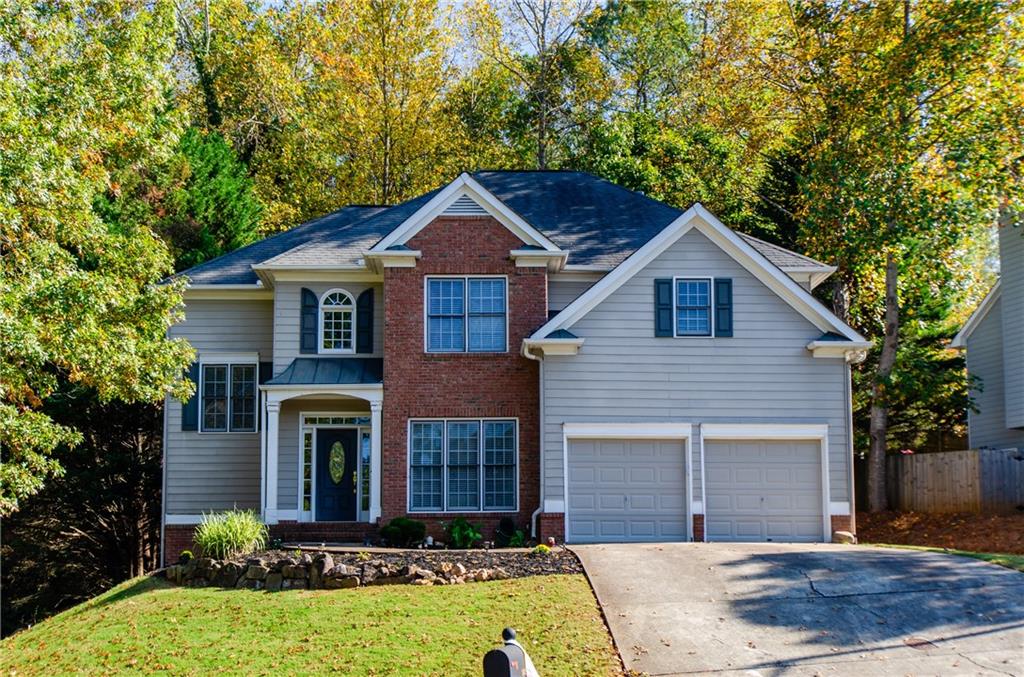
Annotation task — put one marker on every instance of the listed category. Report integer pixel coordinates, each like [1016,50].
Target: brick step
[333,532]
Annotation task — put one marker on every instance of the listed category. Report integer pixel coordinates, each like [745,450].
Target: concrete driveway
[765,609]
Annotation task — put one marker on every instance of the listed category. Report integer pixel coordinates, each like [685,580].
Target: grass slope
[150,627]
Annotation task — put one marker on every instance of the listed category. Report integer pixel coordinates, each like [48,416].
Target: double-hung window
[228,393]
[462,465]
[466,314]
[693,306]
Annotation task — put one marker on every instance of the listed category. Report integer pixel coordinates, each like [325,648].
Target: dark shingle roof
[598,222]
[330,371]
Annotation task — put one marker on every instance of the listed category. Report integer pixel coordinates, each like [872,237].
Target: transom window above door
[337,322]
[466,314]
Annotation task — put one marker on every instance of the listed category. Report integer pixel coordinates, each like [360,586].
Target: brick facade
[551,524]
[844,523]
[698,528]
[423,385]
[176,539]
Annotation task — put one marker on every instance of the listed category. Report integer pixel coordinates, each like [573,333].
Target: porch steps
[323,532]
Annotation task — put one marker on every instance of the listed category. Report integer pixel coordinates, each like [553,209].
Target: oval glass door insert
[337,462]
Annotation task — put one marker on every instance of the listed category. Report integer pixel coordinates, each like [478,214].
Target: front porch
[320,450]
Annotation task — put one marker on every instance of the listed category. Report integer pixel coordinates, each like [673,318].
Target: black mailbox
[510,660]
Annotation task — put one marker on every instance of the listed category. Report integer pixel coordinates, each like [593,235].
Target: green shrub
[518,539]
[462,534]
[541,550]
[226,534]
[403,532]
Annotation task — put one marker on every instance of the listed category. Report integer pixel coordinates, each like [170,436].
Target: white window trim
[310,515]
[228,360]
[675,306]
[775,431]
[444,466]
[320,323]
[426,315]
[629,431]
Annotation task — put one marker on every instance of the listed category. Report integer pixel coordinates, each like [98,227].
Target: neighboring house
[541,345]
[994,340]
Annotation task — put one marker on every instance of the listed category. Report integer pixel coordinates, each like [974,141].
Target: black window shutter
[190,409]
[663,307]
[364,322]
[266,372]
[723,306]
[309,322]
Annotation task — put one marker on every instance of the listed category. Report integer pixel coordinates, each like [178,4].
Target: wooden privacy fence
[985,481]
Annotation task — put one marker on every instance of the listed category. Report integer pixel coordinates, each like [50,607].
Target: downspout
[540,441]
[163,483]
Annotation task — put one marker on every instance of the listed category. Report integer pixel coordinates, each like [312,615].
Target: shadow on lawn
[139,586]
[862,600]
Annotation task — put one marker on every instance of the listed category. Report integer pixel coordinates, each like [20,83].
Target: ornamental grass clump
[226,534]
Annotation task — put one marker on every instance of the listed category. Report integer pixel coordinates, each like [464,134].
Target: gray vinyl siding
[985,359]
[764,374]
[287,315]
[1011,256]
[563,292]
[288,441]
[216,471]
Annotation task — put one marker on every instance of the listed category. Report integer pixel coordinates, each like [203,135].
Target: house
[545,346]
[993,337]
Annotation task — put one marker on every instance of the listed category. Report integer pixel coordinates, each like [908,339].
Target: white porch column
[376,481]
[270,507]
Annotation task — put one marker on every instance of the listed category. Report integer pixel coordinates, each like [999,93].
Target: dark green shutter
[663,308]
[190,409]
[364,322]
[309,322]
[723,306]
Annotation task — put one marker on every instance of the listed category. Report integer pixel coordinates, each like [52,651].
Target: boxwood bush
[226,534]
[402,532]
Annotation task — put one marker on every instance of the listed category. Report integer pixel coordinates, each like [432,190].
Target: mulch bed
[956,531]
[518,564]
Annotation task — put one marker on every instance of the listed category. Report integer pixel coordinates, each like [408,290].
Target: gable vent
[464,206]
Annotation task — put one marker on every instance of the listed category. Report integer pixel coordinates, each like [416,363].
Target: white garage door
[626,490]
[763,490]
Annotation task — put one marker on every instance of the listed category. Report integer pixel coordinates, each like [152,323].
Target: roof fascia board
[976,318]
[773,277]
[228,292]
[744,254]
[322,275]
[437,204]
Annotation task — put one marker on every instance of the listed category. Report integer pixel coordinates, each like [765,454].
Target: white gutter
[540,448]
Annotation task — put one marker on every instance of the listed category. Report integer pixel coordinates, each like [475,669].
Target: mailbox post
[510,660]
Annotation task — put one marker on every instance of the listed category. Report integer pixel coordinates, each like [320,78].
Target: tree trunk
[877,495]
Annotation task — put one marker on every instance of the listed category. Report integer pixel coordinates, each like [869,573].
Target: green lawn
[1002,559]
[147,626]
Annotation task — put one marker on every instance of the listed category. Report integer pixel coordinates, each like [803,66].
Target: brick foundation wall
[843,523]
[698,528]
[322,532]
[551,524]
[176,539]
[423,385]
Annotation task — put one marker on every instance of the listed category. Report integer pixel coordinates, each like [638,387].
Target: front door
[336,457]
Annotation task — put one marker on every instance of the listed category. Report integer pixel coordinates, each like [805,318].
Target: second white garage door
[766,490]
[626,490]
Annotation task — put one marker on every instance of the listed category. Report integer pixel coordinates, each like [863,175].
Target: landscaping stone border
[278,570]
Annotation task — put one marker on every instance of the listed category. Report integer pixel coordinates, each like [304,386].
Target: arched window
[337,322]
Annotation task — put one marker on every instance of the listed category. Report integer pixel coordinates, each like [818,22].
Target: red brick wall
[844,523]
[422,385]
[551,524]
[698,528]
[177,538]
